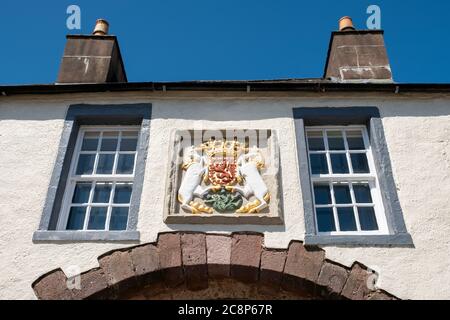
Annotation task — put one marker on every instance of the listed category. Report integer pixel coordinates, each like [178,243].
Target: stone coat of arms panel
[228,176]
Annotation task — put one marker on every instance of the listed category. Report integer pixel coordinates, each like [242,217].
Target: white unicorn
[248,167]
[196,168]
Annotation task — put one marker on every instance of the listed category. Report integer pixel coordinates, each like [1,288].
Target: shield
[222,171]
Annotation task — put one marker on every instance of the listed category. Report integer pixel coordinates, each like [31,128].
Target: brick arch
[192,260]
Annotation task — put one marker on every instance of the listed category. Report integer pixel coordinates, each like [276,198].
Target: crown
[223,148]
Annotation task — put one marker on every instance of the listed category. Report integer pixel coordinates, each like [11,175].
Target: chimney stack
[357,55]
[92,58]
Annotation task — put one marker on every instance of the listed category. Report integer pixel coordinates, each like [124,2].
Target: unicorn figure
[196,169]
[248,168]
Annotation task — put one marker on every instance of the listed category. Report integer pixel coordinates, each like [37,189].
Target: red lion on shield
[222,172]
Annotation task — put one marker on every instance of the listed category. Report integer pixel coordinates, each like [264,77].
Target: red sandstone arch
[198,262]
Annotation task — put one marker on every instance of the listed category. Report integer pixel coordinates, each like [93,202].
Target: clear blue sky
[170,40]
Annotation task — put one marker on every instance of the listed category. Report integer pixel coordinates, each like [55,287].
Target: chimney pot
[101,27]
[345,24]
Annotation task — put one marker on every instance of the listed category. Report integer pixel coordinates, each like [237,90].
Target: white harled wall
[417,129]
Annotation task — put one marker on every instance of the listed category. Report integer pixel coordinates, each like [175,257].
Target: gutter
[320,86]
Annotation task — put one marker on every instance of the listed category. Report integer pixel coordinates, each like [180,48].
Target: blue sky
[171,40]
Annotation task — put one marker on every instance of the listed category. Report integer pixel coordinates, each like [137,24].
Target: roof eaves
[318,85]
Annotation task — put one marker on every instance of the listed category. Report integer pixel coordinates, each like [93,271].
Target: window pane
[322,194]
[359,163]
[109,141]
[81,193]
[362,193]
[125,164]
[97,218]
[339,163]
[119,217]
[325,220]
[122,193]
[76,218]
[315,141]
[105,163]
[318,164]
[367,219]
[355,140]
[102,193]
[128,144]
[346,219]
[85,164]
[90,141]
[342,194]
[335,140]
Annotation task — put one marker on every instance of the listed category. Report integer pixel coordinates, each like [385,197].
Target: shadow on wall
[420,108]
[231,110]
[242,110]
[32,111]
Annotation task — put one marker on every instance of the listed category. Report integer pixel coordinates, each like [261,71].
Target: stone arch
[197,262]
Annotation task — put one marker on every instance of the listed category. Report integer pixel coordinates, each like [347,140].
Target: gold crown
[224,148]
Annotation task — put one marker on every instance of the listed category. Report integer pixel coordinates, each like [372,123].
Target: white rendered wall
[417,130]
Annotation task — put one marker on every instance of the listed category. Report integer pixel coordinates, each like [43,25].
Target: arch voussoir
[192,260]
[245,259]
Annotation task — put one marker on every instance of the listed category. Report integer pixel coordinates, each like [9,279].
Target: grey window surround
[370,117]
[85,236]
[90,114]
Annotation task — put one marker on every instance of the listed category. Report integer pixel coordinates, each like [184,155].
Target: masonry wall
[417,129]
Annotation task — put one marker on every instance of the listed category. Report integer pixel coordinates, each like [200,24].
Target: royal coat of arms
[220,175]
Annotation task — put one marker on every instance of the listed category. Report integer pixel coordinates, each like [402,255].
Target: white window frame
[332,179]
[73,179]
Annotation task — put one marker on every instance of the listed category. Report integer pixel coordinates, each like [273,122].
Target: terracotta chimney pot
[345,24]
[101,27]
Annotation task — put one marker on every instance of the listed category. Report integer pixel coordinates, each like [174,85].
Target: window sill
[85,236]
[390,240]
